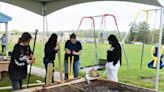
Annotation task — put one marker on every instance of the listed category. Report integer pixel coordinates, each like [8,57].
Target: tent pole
[159,46]
[43,34]
[6,33]
[153,32]
[143,39]
[0,11]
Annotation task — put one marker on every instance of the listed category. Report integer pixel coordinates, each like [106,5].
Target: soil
[84,87]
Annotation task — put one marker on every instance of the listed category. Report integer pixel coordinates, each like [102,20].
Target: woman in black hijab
[113,58]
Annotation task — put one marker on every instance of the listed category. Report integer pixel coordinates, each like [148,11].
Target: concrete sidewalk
[41,72]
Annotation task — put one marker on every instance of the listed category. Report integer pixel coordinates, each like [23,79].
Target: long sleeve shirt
[50,52]
[19,61]
[114,54]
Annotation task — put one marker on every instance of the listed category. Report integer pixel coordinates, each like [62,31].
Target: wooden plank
[3,67]
[60,63]
[69,83]
[49,74]
[30,85]
[34,89]
[129,85]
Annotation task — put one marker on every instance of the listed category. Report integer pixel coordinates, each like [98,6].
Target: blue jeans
[76,68]
[16,84]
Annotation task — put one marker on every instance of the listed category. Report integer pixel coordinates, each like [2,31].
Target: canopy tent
[45,7]
[53,5]
[5,19]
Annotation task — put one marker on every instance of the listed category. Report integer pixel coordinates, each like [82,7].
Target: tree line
[140,32]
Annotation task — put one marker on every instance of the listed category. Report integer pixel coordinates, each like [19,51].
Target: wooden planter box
[4,66]
[96,85]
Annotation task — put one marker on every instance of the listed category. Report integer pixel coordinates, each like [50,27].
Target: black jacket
[50,52]
[114,54]
[18,65]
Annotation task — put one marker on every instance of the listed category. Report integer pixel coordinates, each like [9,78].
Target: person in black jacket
[50,52]
[20,58]
[113,58]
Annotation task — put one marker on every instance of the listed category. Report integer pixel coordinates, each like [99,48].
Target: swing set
[152,64]
[154,54]
[98,64]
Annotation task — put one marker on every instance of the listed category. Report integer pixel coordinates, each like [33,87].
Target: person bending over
[20,58]
[72,48]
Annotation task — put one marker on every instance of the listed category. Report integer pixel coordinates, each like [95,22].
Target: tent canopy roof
[53,5]
[4,18]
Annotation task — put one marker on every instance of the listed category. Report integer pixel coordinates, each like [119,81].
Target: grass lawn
[6,82]
[132,75]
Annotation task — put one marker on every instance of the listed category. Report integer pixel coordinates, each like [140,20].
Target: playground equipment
[159,42]
[95,67]
[99,63]
[93,28]
[103,22]
[136,17]
[146,20]
[154,51]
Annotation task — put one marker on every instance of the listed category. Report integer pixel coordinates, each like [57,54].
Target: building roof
[4,18]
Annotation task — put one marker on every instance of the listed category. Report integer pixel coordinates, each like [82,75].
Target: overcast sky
[69,18]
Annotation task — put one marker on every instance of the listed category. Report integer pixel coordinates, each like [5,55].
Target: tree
[132,32]
[139,32]
[156,36]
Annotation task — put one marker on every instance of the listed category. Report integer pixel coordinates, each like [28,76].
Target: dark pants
[46,61]
[16,84]
[3,47]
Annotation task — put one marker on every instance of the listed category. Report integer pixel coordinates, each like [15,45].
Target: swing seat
[150,64]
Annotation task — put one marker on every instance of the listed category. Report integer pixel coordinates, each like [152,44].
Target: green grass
[132,75]
[6,82]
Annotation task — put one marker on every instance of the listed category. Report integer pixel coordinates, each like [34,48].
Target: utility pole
[0,11]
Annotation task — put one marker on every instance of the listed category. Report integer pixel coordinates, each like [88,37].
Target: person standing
[50,51]
[72,48]
[20,58]
[3,42]
[113,58]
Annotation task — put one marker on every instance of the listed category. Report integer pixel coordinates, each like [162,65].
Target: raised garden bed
[96,85]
